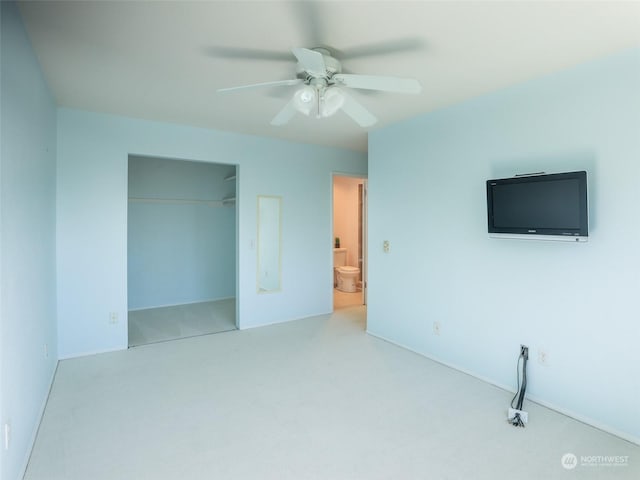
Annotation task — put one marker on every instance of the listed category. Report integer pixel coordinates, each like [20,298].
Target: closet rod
[176,201]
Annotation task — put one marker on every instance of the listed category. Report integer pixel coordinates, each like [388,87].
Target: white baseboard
[533,398]
[181,303]
[34,434]
[586,420]
[242,327]
[92,352]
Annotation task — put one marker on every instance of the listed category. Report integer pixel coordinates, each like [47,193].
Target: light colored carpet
[310,399]
[181,321]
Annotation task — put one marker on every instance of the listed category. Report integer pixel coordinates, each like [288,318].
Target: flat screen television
[539,206]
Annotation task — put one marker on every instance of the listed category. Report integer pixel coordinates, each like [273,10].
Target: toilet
[345,277]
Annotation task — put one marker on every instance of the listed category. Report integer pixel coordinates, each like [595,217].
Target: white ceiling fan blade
[357,112]
[311,61]
[377,82]
[294,81]
[285,114]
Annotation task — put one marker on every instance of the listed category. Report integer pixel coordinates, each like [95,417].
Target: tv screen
[552,205]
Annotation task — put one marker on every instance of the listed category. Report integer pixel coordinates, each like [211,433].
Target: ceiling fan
[323,88]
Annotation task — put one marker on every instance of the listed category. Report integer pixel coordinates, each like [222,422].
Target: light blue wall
[179,252]
[27,242]
[92,219]
[579,302]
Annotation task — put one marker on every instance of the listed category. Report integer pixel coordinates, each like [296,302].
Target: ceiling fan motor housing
[332,66]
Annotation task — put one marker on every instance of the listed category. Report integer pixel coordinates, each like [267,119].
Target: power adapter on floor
[514,413]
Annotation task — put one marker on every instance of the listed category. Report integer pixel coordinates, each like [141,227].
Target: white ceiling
[164,60]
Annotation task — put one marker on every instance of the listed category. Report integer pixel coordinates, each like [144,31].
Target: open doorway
[350,241]
[181,249]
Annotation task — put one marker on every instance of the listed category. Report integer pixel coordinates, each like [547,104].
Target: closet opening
[181,249]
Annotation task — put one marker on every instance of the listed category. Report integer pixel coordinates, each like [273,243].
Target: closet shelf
[230,177]
[180,201]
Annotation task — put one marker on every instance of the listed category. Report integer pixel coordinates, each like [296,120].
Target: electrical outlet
[385,246]
[524,351]
[436,328]
[113,318]
[543,357]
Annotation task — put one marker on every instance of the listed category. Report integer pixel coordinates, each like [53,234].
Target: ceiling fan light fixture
[304,99]
[318,75]
[332,101]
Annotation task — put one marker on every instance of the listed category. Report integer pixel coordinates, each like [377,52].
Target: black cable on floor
[522,363]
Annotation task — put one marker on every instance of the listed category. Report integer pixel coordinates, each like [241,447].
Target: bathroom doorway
[349,241]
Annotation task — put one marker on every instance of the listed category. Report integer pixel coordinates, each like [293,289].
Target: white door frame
[365,237]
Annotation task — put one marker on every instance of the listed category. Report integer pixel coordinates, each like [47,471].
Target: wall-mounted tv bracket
[529,174]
